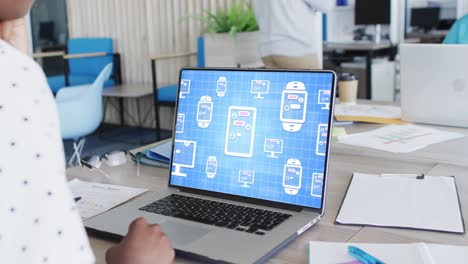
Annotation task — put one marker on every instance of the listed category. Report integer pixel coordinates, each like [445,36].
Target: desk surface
[442,159]
[356,46]
[428,35]
[129,90]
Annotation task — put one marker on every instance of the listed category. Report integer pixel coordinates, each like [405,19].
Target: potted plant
[231,36]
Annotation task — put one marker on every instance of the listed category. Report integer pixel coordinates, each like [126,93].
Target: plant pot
[221,50]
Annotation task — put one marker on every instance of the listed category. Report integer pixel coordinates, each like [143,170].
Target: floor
[113,137]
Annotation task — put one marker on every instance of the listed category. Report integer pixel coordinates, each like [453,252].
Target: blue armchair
[80,111]
[84,69]
[167,95]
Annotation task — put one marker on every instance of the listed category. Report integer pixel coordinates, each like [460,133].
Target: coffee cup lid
[346,76]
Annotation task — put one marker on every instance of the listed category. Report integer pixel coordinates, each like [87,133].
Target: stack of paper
[399,138]
[416,253]
[380,114]
[96,198]
[417,202]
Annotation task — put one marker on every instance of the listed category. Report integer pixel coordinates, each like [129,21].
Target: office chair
[80,111]
[84,60]
[167,95]
[458,33]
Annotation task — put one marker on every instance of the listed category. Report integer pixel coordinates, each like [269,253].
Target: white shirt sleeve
[39,222]
[321,5]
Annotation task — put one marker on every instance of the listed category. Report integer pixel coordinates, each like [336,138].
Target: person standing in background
[288,35]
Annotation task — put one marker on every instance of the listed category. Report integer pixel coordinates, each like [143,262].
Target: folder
[158,155]
[402,201]
[161,152]
[380,114]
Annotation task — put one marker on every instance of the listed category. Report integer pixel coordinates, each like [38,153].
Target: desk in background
[128,91]
[369,50]
[448,158]
[434,36]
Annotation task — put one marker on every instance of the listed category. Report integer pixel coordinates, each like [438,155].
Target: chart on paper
[399,138]
[97,198]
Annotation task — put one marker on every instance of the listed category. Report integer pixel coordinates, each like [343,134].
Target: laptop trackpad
[181,233]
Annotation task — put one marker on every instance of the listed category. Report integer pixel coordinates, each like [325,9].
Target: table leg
[122,120]
[139,124]
[369,57]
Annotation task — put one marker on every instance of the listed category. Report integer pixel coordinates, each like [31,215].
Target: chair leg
[77,150]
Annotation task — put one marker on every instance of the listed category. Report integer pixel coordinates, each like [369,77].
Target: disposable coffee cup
[348,88]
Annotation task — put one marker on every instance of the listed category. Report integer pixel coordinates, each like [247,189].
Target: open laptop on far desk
[249,164]
[434,84]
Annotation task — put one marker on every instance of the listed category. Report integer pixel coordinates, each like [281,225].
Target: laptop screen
[254,133]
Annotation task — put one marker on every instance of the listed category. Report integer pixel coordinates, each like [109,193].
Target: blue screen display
[258,134]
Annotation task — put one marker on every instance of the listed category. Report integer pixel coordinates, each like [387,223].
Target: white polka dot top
[39,222]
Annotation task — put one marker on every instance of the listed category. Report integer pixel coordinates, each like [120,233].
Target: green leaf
[239,17]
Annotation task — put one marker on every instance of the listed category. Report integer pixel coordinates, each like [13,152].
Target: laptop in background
[249,164]
[434,84]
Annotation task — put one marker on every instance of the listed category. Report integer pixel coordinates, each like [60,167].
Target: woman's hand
[15,32]
[144,244]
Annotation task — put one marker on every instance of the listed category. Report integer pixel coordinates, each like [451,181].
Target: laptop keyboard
[240,218]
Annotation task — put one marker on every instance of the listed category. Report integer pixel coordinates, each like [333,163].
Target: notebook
[248,167]
[403,201]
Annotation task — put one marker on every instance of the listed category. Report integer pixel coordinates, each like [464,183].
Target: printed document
[399,138]
[97,198]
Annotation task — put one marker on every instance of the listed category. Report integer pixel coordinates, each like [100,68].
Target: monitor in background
[425,18]
[372,12]
[46,30]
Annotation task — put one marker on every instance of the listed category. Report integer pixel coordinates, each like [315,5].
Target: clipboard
[419,202]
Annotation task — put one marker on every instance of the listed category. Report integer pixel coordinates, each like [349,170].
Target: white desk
[128,91]
[344,161]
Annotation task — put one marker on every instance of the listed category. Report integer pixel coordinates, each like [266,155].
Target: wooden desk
[128,91]
[343,162]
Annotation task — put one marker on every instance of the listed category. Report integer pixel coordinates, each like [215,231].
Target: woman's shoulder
[12,60]
[19,70]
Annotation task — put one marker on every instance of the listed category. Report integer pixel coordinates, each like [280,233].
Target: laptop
[249,164]
[434,84]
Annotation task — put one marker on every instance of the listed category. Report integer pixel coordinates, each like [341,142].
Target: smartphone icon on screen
[180,123]
[292,176]
[317,185]
[322,135]
[211,167]
[240,131]
[221,86]
[204,111]
[293,106]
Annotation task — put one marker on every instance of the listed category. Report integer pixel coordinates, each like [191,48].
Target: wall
[462,8]
[142,29]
